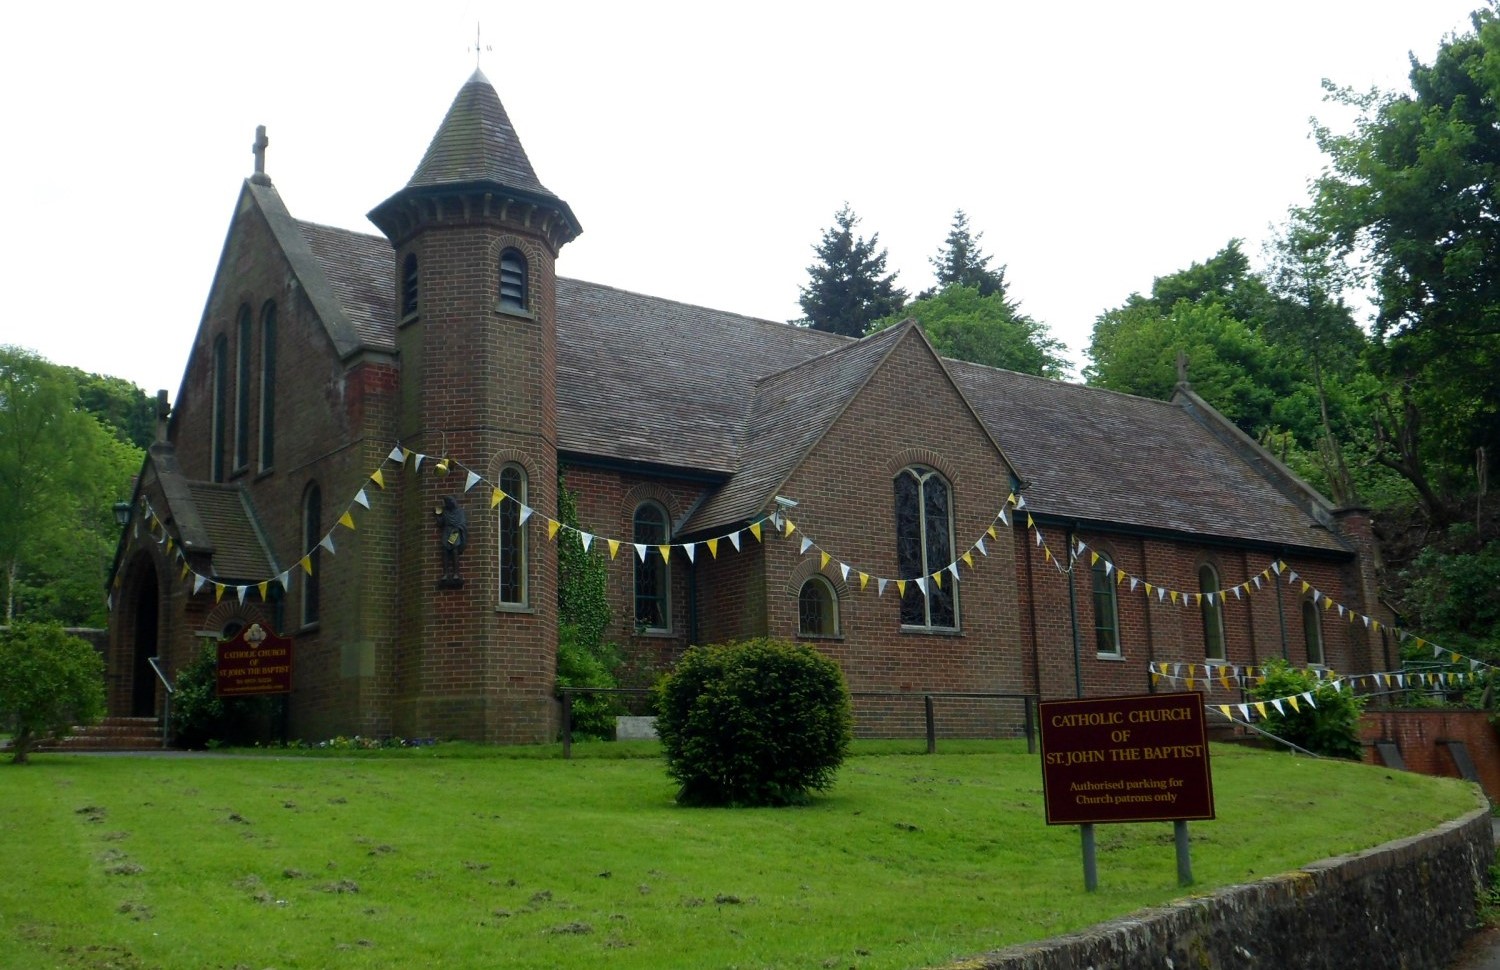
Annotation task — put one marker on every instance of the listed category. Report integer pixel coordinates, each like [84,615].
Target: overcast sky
[704,147]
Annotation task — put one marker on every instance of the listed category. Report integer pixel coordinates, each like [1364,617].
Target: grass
[458,856]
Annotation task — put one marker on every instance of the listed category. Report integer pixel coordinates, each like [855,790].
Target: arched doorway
[143,638]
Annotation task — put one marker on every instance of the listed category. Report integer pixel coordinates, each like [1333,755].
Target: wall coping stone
[1407,903]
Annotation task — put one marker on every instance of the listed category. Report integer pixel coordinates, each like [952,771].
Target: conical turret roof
[477,143]
[475,149]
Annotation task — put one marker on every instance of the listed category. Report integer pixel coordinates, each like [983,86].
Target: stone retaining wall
[1405,905]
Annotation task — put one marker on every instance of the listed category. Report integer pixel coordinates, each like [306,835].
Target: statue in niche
[453,535]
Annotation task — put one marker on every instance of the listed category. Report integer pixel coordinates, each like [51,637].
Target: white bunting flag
[640,550]
[880,587]
[587,540]
[327,543]
[240,591]
[806,544]
[397,455]
[844,571]
[471,481]
[362,499]
[922,585]
[526,511]
[198,582]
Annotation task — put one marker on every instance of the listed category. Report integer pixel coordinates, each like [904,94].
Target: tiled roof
[477,143]
[1097,455]
[642,379]
[359,268]
[226,516]
[645,379]
[791,412]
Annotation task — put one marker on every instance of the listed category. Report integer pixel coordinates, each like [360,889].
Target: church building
[365,453]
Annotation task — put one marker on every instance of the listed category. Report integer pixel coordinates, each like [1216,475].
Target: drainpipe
[1281,616]
[1073,617]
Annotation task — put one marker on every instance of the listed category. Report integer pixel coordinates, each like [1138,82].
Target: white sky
[703,146]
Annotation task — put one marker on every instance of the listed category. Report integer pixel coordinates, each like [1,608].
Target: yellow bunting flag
[755,530]
[1295,706]
[306,564]
[1149,588]
[1174,597]
[713,547]
[992,532]
[614,547]
[1189,683]
[1093,558]
[218,591]
[823,559]
[1046,554]
[495,497]
[1155,677]
[864,580]
[346,520]
[1306,586]
[552,527]
[968,558]
[901,587]
[1260,707]
[938,578]
[666,552]
[264,584]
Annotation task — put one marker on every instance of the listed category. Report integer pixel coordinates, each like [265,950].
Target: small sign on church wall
[254,661]
[1141,758]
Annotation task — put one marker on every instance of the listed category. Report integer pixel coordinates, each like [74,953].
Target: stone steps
[112,734]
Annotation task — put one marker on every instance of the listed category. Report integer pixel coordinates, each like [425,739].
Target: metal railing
[1029,707]
[166,710]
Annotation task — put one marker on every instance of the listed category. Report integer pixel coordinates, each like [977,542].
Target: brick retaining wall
[1406,904]
[1420,735]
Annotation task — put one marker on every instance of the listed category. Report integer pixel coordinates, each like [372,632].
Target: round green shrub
[1329,726]
[758,722]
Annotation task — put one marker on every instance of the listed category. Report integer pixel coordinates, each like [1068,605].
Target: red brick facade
[394,648]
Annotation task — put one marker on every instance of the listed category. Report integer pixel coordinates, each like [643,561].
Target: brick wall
[1419,735]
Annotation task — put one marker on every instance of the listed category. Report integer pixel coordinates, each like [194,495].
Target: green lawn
[463,857]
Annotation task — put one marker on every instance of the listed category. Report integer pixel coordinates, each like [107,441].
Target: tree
[120,406]
[848,287]
[1408,199]
[49,681]
[960,262]
[966,325]
[60,474]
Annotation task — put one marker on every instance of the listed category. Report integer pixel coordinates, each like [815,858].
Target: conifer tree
[961,262]
[848,287]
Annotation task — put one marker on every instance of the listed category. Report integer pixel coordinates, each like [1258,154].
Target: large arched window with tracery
[924,546]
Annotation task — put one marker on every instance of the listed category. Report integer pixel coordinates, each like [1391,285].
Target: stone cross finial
[259,148]
[1182,367]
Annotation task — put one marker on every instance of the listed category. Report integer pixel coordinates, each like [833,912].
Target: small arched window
[409,286]
[653,577]
[512,537]
[267,386]
[817,608]
[312,535]
[1312,631]
[513,295]
[924,545]
[220,425]
[1106,610]
[1213,613]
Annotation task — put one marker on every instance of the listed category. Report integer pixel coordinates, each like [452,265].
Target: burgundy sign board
[255,661]
[1126,759]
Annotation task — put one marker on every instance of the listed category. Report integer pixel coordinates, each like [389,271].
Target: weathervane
[478,47]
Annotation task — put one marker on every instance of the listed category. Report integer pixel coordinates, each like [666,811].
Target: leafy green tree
[848,287]
[61,472]
[962,263]
[1408,198]
[49,682]
[964,324]
[120,406]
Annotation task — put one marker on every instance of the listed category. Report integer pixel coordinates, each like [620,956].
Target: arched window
[312,535]
[512,537]
[924,545]
[242,391]
[653,578]
[1213,613]
[1106,610]
[267,386]
[513,295]
[1312,631]
[220,423]
[409,286]
[817,608]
